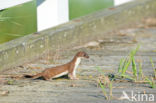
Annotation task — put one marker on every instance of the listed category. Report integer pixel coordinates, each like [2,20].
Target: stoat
[66,69]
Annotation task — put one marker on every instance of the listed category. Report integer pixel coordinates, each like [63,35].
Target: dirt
[105,55]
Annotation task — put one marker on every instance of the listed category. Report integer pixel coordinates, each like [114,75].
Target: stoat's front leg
[72,77]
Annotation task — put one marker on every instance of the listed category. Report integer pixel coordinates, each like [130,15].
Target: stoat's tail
[33,76]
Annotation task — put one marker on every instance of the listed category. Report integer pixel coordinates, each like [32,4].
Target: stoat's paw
[75,78]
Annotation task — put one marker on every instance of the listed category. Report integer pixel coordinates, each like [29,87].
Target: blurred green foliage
[79,8]
[18,21]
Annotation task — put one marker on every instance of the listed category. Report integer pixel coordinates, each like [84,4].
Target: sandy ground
[105,55]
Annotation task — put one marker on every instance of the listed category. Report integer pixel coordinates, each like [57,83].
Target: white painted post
[63,11]
[51,13]
[119,2]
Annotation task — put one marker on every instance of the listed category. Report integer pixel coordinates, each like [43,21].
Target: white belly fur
[61,74]
[76,65]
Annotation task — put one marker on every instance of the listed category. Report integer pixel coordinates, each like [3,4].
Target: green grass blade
[152,63]
[125,61]
[151,82]
[134,51]
[103,90]
[154,68]
[128,77]
[99,70]
[140,71]
[111,89]
[120,65]
[126,65]
[134,67]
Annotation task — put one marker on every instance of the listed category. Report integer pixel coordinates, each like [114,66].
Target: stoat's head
[82,54]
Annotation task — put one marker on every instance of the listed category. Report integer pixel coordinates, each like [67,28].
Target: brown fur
[69,67]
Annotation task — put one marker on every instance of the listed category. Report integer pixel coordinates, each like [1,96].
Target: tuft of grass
[125,63]
[103,85]
[122,70]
